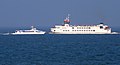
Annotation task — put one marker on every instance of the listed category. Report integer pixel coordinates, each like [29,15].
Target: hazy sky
[24,13]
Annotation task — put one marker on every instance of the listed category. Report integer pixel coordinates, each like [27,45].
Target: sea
[60,49]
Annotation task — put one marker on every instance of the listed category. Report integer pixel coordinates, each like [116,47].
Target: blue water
[52,49]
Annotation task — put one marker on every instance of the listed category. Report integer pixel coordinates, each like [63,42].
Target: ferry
[66,28]
[33,30]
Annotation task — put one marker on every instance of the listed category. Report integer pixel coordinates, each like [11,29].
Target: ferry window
[93,30]
[54,30]
[101,27]
[89,28]
[72,27]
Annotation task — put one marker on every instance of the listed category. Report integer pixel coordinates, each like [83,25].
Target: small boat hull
[28,33]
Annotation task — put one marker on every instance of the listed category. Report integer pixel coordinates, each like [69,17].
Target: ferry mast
[67,20]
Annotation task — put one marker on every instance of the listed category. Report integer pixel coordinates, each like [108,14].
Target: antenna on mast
[68,16]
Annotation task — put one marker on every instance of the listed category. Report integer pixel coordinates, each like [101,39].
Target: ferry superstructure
[80,29]
[33,30]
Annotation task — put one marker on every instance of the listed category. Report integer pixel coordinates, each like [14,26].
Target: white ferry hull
[75,33]
[67,29]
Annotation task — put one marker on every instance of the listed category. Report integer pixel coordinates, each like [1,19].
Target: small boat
[33,30]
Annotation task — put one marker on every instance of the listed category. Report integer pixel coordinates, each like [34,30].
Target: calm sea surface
[52,49]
